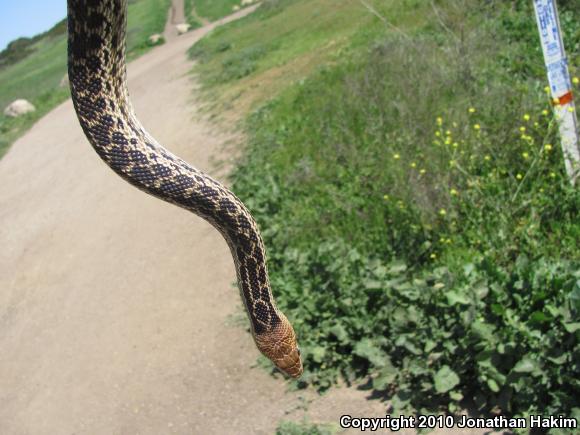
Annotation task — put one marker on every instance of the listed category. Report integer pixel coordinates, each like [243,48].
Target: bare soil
[116,308]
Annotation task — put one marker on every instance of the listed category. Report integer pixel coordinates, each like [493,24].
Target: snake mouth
[291,364]
[296,371]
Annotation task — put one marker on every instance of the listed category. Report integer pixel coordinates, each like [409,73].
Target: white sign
[560,84]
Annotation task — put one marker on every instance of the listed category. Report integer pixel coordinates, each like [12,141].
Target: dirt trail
[175,16]
[115,307]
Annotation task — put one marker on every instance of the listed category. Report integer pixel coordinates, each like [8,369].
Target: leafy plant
[420,227]
[303,428]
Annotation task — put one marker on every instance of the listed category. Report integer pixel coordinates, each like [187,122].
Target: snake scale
[97,75]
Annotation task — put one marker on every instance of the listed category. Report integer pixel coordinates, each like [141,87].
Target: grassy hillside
[248,61]
[405,169]
[36,75]
[197,11]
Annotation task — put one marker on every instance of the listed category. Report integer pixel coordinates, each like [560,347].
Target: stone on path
[182,28]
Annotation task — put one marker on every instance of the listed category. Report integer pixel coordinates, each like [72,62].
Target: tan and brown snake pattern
[97,73]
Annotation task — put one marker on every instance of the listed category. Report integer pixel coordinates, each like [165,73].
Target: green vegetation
[304,428]
[241,67]
[22,47]
[211,10]
[144,18]
[33,68]
[411,191]
[194,20]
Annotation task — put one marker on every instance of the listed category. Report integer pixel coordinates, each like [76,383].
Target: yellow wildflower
[525,155]
[545,112]
[396,156]
[487,158]
[455,144]
[536,124]
[571,109]
[548,147]
[472,110]
[477,126]
[448,132]
[519,176]
[522,129]
[437,133]
[454,192]
[442,212]
[422,171]
[553,174]
[526,117]
[547,89]
[433,256]
[413,165]
[386,197]
[575,80]
[439,120]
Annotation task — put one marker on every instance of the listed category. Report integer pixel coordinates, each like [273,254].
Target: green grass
[197,12]
[241,67]
[36,73]
[145,17]
[214,10]
[305,428]
[427,247]
[36,77]
[194,20]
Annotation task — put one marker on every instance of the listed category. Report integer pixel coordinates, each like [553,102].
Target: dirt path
[175,16]
[115,307]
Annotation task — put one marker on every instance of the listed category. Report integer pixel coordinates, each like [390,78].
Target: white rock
[155,38]
[19,107]
[182,28]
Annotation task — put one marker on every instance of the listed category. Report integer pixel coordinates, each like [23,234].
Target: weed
[304,428]
[420,226]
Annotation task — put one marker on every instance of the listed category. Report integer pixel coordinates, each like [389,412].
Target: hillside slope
[403,160]
[33,69]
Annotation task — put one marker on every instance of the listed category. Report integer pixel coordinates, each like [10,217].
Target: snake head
[280,346]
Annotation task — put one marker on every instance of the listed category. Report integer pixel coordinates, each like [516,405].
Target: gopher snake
[97,73]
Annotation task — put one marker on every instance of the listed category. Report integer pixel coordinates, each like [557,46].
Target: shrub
[420,226]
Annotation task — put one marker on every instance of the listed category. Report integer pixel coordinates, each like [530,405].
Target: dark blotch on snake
[119,138]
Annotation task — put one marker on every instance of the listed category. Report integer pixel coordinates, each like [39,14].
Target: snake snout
[291,364]
[280,346]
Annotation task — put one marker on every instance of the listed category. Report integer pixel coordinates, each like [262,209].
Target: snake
[98,83]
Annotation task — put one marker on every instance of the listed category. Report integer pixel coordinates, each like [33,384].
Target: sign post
[560,84]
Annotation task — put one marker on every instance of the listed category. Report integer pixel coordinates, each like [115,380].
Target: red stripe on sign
[564,99]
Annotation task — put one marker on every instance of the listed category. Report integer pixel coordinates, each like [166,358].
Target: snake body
[97,75]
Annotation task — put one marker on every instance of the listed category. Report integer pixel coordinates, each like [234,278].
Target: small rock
[155,38]
[247,2]
[182,28]
[19,107]
[64,81]
[236,8]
